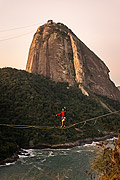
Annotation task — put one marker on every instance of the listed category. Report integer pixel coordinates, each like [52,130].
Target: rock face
[119,88]
[57,53]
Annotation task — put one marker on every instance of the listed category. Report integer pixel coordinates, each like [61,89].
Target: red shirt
[63,113]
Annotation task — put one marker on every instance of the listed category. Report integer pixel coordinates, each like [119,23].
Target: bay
[51,164]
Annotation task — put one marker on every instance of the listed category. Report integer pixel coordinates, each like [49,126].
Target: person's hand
[56,114]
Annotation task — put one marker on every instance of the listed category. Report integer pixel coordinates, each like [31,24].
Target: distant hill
[29,99]
[56,52]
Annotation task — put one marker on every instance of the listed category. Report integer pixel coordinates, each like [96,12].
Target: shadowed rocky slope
[57,53]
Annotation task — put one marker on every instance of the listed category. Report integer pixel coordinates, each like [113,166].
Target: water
[51,164]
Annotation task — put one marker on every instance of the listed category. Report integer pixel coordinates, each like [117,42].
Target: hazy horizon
[96,23]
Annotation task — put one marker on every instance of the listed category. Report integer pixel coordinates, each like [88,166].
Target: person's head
[62,109]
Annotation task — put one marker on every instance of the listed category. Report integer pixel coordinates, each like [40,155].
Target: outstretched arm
[58,114]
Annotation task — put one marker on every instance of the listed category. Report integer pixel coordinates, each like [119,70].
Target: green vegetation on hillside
[29,99]
[107,161]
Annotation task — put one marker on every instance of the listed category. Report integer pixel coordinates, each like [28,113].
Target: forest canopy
[30,99]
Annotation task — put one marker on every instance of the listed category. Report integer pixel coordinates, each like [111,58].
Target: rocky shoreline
[81,142]
[76,143]
[14,157]
[11,159]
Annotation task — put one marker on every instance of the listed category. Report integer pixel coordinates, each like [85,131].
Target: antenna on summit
[50,22]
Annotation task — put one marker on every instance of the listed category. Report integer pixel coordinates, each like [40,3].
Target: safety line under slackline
[55,127]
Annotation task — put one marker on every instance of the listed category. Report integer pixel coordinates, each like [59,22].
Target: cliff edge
[57,53]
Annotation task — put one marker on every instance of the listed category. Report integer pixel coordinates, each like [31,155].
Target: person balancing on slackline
[63,112]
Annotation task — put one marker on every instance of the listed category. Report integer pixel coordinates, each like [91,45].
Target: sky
[95,22]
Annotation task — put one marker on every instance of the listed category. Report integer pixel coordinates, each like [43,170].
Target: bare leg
[62,123]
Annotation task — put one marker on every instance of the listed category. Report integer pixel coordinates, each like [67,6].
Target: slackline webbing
[57,127]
